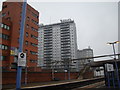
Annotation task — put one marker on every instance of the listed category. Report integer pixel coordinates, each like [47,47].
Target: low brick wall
[10,77]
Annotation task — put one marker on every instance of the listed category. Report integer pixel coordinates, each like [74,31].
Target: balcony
[47,43]
[48,34]
[48,57]
[47,28]
[65,46]
[47,48]
[66,40]
[65,56]
[64,25]
[50,53]
[66,52]
[47,40]
[47,51]
[65,43]
[65,29]
[65,35]
[62,38]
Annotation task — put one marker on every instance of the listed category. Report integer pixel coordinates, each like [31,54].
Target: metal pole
[117,74]
[108,80]
[113,79]
[19,68]
[52,72]
[69,70]
[26,75]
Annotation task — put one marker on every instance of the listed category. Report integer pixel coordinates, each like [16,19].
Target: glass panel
[5,26]
[8,28]
[3,47]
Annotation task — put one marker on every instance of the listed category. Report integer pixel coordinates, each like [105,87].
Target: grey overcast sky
[96,22]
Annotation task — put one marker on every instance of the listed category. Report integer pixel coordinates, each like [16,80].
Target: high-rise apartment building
[57,42]
[11,18]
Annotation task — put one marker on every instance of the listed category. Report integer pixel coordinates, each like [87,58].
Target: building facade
[57,42]
[85,53]
[30,33]
[119,28]
[5,30]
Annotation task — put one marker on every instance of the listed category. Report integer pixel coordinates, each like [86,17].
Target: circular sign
[22,55]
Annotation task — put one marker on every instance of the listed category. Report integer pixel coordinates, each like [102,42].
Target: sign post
[110,74]
[109,67]
[21,40]
[22,59]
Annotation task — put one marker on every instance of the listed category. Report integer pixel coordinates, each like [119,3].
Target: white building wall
[56,43]
[40,47]
[73,43]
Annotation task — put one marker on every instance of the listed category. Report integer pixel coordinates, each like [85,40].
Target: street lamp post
[21,40]
[117,74]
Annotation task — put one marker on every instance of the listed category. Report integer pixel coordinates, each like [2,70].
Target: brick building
[11,12]
[5,31]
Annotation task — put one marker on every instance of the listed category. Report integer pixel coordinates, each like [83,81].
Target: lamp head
[117,42]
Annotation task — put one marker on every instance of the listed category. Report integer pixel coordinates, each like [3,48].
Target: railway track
[72,85]
[94,85]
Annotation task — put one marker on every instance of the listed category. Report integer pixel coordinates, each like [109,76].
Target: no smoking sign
[22,59]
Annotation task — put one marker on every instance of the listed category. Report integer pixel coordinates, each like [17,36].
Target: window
[0,46]
[34,36]
[6,47]
[15,58]
[35,15]
[26,42]
[3,14]
[4,7]
[33,44]
[8,28]
[0,35]
[27,26]
[8,18]
[2,58]
[34,29]
[34,53]
[3,47]
[26,51]
[33,21]
[26,34]
[33,61]
[28,10]
[3,36]
[28,18]
[4,26]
